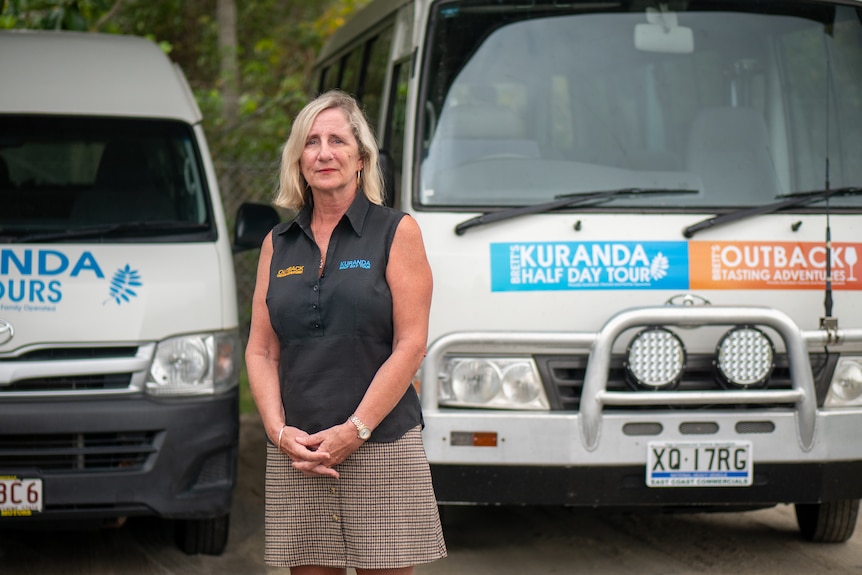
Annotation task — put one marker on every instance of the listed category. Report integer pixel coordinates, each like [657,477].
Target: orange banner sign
[772,265]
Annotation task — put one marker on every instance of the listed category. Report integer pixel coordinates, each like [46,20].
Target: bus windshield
[523,104]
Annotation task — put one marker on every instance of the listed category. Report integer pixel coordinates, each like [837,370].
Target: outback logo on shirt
[291,271]
[352,264]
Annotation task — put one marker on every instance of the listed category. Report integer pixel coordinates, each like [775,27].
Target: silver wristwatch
[363,432]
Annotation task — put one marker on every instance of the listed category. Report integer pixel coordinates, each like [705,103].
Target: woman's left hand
[339,441]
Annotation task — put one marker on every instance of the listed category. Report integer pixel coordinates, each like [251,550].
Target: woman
[339,328]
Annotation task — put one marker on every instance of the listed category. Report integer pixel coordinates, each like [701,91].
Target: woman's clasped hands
[319,453]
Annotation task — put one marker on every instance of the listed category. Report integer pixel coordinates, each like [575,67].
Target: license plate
[699,464]
[20,497]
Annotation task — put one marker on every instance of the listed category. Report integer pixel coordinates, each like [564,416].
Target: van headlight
[845,390]
[200,364]
[502,383]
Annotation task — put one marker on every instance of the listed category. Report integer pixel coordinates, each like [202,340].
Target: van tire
[827,522]
[202,536]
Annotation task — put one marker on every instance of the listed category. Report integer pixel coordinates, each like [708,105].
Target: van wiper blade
[109,230]
[564,201]
[789,201]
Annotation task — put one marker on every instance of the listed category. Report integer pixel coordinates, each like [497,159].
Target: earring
[358,178]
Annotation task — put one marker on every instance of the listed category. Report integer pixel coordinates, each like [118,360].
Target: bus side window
[329,79]
[351,66]
[321,79]
[393,136]
[374,78]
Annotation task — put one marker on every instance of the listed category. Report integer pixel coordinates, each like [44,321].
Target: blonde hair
[293,191]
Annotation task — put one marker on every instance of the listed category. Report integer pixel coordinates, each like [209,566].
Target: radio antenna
[828,322]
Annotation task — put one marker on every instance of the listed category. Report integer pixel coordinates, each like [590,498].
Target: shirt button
[335,517]
[316,324]
[315,288]
[314,306]
[333,490]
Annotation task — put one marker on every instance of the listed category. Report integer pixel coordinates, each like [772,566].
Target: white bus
[644,221]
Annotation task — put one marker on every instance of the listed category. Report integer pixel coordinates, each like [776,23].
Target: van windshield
[71,177]
[741,101]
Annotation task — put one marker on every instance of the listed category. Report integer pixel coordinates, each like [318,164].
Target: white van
[645,228]
[119,349]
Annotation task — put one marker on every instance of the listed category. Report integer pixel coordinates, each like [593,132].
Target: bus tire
[202,536]
[827,522]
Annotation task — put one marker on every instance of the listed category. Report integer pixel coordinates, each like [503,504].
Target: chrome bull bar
[595,396]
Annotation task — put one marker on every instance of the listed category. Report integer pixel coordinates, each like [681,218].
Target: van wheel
[202,536]
[828,522]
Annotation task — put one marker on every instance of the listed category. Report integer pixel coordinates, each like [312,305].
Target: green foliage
[278,42]
[53,14]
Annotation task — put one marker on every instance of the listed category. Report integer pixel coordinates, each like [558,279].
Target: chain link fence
[245,182]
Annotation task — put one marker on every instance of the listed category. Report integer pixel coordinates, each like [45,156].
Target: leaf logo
[123,285]
[658,267]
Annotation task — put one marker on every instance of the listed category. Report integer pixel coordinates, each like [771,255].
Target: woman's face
[330,159]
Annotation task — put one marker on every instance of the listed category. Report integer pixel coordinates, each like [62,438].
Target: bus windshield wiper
[564,201]
[787,201]
[108,230]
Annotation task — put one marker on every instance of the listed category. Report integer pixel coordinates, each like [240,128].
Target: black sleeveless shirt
[335,330]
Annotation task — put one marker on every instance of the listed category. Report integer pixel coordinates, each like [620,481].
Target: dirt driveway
[482,541]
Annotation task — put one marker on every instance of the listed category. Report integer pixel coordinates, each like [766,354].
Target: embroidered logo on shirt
[349,264]
[291,271]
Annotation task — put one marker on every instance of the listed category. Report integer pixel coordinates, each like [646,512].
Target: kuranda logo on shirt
[353,264]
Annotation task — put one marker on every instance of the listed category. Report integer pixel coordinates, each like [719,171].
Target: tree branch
[106,16]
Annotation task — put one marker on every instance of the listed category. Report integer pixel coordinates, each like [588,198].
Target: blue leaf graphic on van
[123,284]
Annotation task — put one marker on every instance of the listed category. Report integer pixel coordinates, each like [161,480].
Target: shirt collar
[355,214]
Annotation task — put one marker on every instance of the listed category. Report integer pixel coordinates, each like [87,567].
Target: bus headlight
[503,383]
[201,364]
[846,387]
[475,381]
[744,358]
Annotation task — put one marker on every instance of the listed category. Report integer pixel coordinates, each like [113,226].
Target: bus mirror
[662,33]
[253,222]
[387,170]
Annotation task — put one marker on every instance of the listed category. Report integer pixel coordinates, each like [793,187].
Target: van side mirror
[387,169]
[253,222]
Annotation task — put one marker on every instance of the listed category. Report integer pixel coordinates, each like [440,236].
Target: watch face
[364,433]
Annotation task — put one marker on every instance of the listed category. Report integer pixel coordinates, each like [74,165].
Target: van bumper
[541,458]
[625,486]
[121,457]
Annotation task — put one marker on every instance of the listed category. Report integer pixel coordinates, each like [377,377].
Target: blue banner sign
[544,266]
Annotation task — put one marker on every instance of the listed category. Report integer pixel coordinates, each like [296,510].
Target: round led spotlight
[655,359]
[745,358]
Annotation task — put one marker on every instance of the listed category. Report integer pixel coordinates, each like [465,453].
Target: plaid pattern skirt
[380,514]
